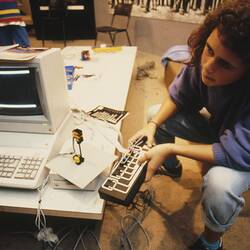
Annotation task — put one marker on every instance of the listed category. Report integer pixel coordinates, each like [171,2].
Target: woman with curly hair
[217,78]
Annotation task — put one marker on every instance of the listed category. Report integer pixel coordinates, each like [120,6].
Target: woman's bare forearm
[200,152]
[167,109]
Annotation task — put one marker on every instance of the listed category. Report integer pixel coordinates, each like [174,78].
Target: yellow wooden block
[107,49]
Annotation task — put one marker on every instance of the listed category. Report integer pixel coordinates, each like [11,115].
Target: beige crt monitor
[33,94]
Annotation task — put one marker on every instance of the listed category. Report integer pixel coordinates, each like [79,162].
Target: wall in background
[149,35]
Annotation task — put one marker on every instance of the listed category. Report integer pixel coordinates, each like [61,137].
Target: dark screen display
[18,91]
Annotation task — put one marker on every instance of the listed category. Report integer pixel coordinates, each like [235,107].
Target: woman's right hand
[155,157]
[149,131]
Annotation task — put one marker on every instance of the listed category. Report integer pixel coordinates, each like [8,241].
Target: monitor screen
[19,94]
[33,94]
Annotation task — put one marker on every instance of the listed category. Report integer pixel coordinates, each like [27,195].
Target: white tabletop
[109,87]
[110,84]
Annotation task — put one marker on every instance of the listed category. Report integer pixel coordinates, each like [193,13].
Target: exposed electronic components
[126,176]
[107,114]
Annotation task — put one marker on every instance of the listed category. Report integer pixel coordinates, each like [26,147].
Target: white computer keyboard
[22,171]
[24,156]
[19,167]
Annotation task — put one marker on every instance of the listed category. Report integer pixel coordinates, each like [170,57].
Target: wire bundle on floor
[136,213]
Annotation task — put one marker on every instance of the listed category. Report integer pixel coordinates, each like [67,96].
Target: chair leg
[42,33]
[111,38]
[114,37]
[129,42]
[64,33]
[96,38]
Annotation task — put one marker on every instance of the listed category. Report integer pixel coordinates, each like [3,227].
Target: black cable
[130,229]
[95,238]
[136,212]
[80,237]
[63,238]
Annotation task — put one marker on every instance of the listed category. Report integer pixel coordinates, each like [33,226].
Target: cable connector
[47,235]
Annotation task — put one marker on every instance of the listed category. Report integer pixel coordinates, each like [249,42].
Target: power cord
[45,234]
[129,229]
[95,238]
[136,213]
[80,238]
[83,234]
[59,242]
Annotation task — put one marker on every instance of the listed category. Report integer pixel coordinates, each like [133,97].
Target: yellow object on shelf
[107,49]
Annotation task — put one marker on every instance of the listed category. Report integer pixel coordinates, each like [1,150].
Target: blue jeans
[222,188]
[189,126]
[13,34]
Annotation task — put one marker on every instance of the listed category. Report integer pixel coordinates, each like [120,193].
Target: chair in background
[122,10]
[57,13]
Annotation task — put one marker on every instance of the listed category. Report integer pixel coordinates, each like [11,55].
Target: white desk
[109,88]
[110,85]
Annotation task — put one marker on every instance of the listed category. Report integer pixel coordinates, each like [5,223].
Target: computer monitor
[33,94]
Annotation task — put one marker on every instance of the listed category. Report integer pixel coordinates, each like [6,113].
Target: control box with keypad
[126,177]
[112,116]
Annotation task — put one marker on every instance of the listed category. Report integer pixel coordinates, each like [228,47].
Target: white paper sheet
[95,161]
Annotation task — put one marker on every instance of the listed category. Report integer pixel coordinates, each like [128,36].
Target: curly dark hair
[232,19]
